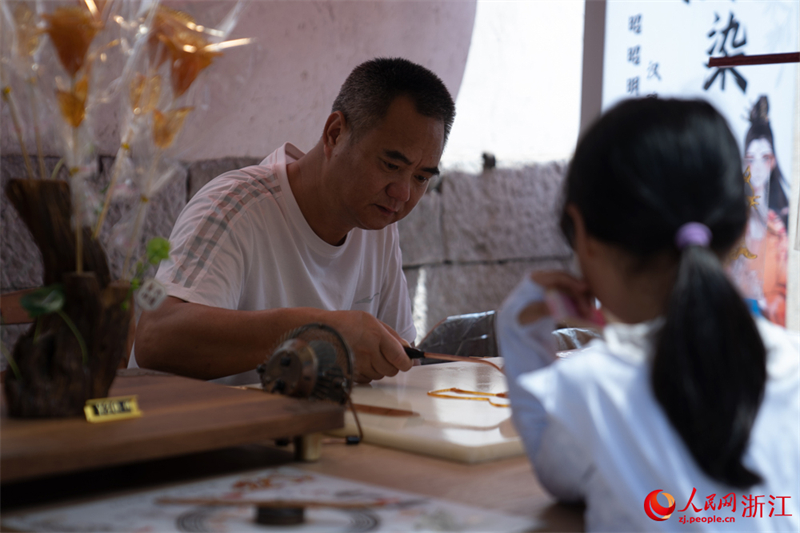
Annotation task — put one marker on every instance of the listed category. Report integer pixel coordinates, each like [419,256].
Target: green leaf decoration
[77,333]
[157,250]
[43,301]
[48,300]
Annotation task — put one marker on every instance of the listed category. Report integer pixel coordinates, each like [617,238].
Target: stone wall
[465,246]
[471,239]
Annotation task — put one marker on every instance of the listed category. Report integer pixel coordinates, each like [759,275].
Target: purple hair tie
[692,234]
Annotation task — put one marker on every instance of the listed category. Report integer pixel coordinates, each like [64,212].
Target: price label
[108,409]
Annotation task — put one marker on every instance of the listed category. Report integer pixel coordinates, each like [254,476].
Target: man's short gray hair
[370,89]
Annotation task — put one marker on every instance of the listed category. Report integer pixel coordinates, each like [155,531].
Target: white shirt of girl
[595,432]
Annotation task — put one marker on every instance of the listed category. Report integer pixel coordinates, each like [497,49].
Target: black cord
[352,439]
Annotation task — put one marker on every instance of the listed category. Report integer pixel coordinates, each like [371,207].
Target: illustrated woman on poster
[760,269]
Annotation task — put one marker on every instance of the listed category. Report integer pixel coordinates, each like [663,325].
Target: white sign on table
[468,431]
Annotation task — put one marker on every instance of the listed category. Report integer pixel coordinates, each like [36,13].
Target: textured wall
[278,89]
[470,239]
[20,260]
[467,244]
[281,87]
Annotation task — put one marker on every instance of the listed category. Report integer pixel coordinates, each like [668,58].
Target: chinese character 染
[720,47]
[752,506]
[772,504]
[652,71]
[633,55]
[729,500]
[696,508]
[633,85]
[635,23]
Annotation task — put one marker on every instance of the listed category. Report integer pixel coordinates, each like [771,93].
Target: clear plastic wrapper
[160,92]
[66,65]
[473,335]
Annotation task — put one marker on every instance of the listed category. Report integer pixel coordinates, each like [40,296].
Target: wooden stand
[308,448]
[54,379]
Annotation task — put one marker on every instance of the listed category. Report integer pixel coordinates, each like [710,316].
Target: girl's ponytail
[642,177]
[710,367]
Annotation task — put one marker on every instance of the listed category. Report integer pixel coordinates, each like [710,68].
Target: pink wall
[281,87]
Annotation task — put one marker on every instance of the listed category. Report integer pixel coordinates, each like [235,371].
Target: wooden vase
[54,381]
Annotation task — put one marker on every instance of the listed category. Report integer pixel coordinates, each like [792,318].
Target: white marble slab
[460,430]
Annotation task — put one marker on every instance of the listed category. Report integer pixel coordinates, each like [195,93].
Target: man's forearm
[207,342]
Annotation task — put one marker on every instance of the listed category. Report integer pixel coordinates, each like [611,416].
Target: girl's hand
[578,309]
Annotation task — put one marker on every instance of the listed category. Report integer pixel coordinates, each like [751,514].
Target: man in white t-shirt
[305,238]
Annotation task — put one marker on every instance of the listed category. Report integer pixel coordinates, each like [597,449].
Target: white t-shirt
[594,431]
[242,243]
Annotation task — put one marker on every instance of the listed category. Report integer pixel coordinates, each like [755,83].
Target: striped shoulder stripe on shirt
[204,241]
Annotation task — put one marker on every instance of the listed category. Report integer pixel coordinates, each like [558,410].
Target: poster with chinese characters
[662,49]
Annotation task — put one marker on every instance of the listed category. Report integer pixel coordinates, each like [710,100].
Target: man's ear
[334,133]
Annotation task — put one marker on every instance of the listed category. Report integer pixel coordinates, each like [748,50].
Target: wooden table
[208,417]
[181,416]
[507,485]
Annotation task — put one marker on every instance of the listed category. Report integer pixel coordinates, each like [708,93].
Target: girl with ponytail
[687,392]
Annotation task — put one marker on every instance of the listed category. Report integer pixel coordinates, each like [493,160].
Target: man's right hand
[205,342]
[377,348]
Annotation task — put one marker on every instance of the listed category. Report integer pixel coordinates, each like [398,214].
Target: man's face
[379,178]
